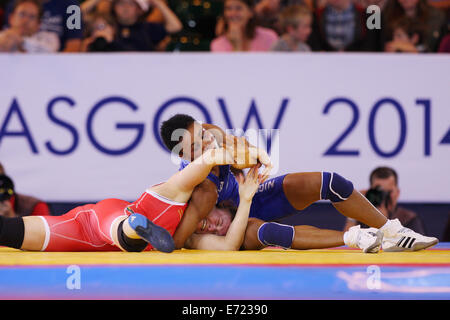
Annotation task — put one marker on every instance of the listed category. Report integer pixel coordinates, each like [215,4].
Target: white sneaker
[368,240]
[398,238]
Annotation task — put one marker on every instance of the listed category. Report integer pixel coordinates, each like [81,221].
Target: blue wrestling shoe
[157,236]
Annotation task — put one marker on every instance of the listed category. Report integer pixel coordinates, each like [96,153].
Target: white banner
[85,127]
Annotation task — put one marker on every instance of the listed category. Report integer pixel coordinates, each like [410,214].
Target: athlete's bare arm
[180,186]
[202,201]
[234,238]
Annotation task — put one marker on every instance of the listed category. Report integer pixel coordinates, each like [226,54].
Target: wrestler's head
[186,137]
[218,221]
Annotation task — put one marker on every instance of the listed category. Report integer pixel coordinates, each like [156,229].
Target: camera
[378,196]
[6,187]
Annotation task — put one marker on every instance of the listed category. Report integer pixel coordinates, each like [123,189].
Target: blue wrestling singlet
[269,203]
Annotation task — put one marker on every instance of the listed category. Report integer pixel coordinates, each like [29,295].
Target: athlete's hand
[249,185]
[218,157]
[264,159]
[257,156]
[246,156]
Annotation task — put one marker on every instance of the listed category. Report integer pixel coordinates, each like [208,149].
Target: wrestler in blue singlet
[269,203]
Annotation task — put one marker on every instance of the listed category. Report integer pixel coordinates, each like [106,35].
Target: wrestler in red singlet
[88,227]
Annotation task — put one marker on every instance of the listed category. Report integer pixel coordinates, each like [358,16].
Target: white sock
[346,235]
[349,238]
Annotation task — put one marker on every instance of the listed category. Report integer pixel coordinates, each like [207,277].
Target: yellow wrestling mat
[272,273]
[269,256]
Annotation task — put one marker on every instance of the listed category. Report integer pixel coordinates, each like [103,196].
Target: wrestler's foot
[398,238]
[368,240]
[157,236]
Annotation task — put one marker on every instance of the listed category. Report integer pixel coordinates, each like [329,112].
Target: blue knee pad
[276,234]
[335,187]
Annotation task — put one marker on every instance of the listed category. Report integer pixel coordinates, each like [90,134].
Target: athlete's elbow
[181,239]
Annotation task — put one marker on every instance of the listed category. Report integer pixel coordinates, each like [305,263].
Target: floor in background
[270,274]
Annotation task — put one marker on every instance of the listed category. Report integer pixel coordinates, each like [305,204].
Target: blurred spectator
[104,7]
[296,22]
[267,12]
[101,32]
[134,33]
[155,15]
[339,26]
[95,7]
[365,3]
[383,194]
[23,35]
[200,21]
[13,204]
[445,44]
[406,37]
[431,20]
[54,19]
[239,32]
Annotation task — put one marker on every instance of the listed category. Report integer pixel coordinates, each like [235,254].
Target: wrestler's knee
[335,187]
[251,241]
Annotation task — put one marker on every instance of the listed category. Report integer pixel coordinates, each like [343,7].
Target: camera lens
[6,187]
